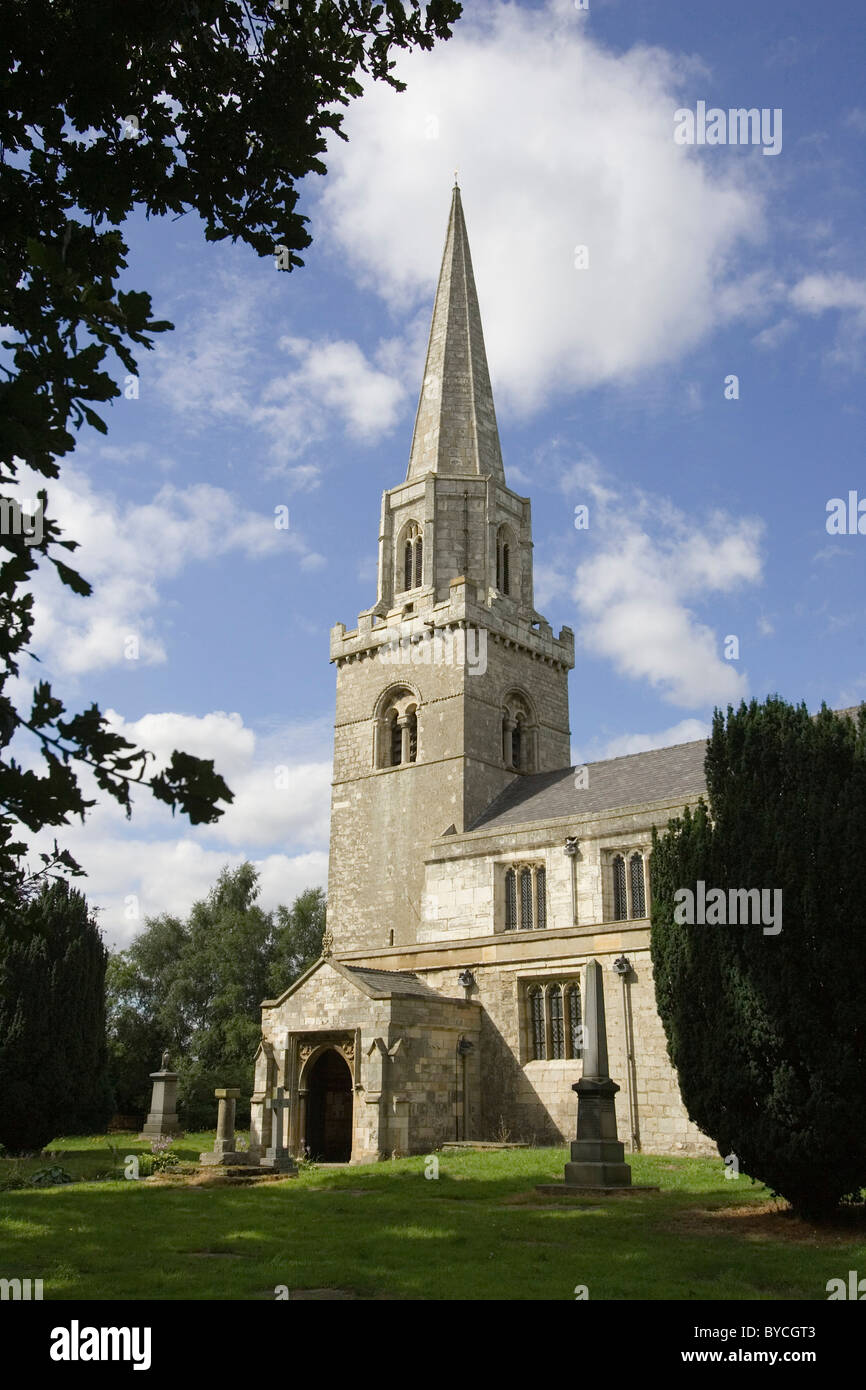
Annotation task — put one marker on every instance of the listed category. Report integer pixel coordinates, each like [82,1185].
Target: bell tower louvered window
[413,557]
[503,561]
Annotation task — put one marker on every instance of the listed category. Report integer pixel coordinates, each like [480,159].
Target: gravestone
[597,1155]
[162,1118]
[225,1153]
[277,1158]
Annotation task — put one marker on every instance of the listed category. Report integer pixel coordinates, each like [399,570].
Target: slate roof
[628,781]
[389,982]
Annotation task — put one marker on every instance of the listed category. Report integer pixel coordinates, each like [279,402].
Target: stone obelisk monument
[597,1156]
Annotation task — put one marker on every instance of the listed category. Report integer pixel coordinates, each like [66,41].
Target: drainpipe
[622,966]
[464,1047]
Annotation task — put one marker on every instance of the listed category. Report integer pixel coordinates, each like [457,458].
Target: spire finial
[455,427]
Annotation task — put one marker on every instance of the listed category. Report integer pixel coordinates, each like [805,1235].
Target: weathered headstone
[277,1157]
[597,1156]
[162,1118]
[225,1153]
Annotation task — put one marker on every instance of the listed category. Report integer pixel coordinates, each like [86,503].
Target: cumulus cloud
[156,863]
[218,368]
[818,293]
[126,551]
[686,731]
[559,143]
[331,380]
[650,566]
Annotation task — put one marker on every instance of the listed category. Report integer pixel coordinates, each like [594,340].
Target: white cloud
[156,863]
[332,379]
[650,564]
[127,551]
[558,142]
[214,367]
[686,731]
[818,293]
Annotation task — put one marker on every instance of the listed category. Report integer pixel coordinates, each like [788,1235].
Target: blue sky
[707,515]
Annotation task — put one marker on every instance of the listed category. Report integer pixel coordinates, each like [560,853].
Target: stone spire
[455,428]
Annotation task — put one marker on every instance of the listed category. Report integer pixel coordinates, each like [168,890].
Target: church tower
[451,685]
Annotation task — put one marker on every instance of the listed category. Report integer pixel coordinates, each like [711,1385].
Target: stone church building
[473,872]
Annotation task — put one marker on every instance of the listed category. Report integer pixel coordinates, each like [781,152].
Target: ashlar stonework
[473,873]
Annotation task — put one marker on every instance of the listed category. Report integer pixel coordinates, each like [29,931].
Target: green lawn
[385,1231]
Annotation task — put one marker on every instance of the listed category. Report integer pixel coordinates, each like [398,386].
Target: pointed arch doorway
[329,1108]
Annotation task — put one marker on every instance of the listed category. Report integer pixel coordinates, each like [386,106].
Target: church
[473,872]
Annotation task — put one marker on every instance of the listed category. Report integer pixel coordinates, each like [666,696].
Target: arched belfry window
[413,556]
[395,729]
[503,560]
[518,734]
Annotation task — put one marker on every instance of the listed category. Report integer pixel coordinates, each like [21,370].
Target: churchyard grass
[478,1231]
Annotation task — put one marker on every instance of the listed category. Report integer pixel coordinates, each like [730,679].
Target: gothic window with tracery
[628,886]
[554,1022]
[525,897]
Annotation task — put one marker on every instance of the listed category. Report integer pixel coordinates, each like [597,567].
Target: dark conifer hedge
[768,1031]
[53,1056]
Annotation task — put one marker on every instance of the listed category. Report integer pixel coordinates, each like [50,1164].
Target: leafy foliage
[196,987]
[53,1058]
[217,107]
[768,1033]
